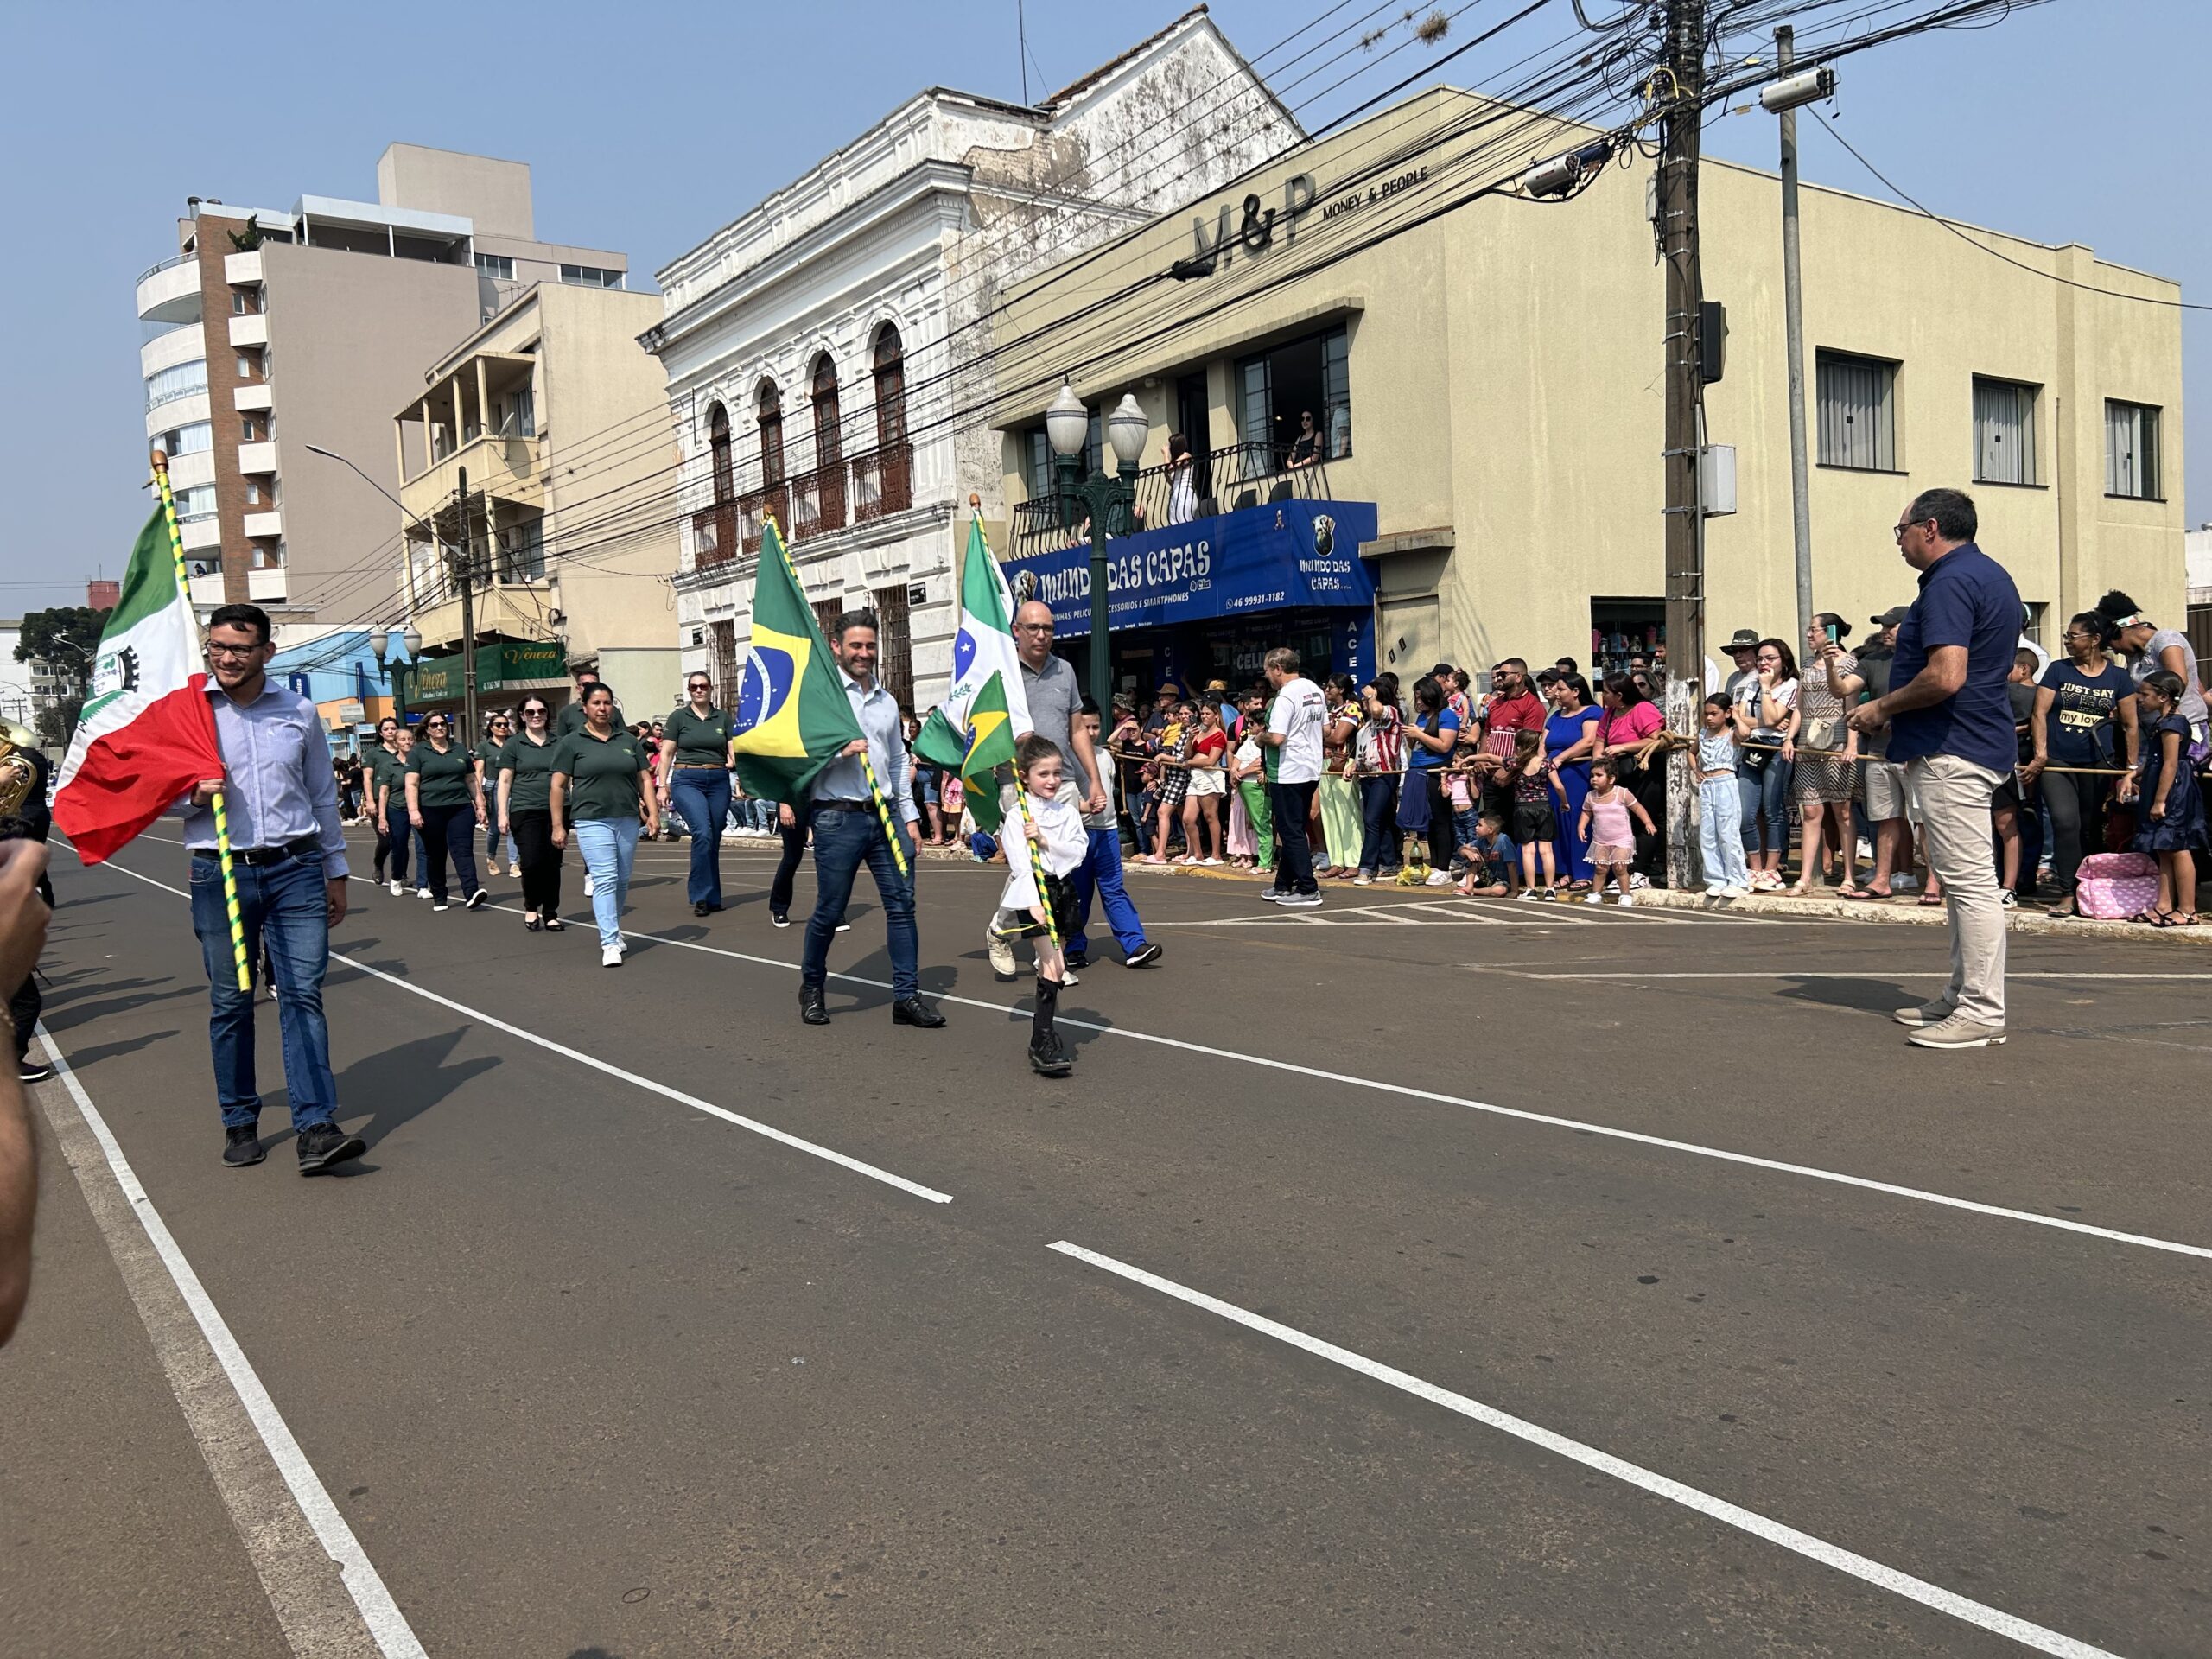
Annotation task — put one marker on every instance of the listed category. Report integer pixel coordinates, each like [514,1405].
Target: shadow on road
[84,1059]
[405,1081]
[1864,995]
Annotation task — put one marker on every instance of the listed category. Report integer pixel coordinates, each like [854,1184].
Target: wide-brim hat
[1742,639]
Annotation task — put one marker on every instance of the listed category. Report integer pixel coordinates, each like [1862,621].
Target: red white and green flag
[146,734]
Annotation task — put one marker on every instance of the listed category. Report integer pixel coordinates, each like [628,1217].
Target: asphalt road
[1412,1277]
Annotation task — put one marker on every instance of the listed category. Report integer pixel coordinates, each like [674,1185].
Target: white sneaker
[589,885]
[1069,977]
[397,890]
[1593,898]
[1527,894]
[422,893]
[1215,862]
[1439,878]
[610,956]
[1002,953]
[1627,899]
[1735,893]
[1362,879]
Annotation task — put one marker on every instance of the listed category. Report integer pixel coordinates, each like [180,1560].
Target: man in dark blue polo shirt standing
[1951,725]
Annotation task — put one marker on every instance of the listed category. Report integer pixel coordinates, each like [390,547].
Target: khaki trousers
[1953,796]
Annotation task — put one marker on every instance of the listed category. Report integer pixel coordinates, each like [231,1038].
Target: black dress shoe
[703,908]
[322,1145]
[1078,959]
[811,1007]
[242,1146]
[911,1011]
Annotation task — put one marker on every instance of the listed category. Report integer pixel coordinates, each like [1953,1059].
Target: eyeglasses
[700,685]
[528,713]
[1034,627]
[215,650]
[1898,531]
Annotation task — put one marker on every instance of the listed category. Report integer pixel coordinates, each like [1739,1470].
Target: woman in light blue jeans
[602,787]
[1766,716]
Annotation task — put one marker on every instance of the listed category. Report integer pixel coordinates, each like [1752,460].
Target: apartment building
[817,346]
[272,329]
[558,421]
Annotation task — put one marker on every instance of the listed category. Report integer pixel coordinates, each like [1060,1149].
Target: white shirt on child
[1067,844]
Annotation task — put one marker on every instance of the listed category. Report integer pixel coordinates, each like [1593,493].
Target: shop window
[1294,403]
[2004,432]
[1622,628]
[2132,451]
[1858,400]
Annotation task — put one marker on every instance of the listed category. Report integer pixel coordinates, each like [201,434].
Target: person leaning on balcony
[1306,448]
[1182,481]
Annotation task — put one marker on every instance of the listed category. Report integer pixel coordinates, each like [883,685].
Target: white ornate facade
[822,350]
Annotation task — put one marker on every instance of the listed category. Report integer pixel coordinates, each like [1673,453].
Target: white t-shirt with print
[1300,712]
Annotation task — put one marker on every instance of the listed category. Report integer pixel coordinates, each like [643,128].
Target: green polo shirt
[444,776]
[532,766]
[698,742]
[487,756]
[385,767]
[603,773]
[571,718]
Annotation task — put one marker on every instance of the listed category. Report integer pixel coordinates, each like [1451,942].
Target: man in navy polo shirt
[1951,724]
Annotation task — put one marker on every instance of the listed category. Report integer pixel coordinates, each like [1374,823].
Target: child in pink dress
[1606,825]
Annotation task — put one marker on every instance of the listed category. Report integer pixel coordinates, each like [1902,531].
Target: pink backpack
[2112,887]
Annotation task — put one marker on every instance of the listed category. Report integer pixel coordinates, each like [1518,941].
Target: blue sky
[2084,120]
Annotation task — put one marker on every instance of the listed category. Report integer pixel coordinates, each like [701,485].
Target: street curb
[1915,914]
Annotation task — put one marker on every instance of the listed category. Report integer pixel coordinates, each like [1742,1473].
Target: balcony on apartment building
[169,292]
[857,490]
[514,595]
[480,417]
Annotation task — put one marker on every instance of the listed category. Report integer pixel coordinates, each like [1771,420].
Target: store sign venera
[1254,224]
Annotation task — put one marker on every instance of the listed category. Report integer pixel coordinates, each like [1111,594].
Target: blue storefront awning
[1282,555]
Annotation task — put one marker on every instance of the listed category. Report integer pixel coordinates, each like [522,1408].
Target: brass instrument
[19,776]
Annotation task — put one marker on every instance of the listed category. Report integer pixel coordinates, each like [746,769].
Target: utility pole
[1793,312]
[465,577]
[1684,72]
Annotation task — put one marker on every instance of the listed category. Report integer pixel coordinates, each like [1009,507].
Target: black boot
[1048,1056]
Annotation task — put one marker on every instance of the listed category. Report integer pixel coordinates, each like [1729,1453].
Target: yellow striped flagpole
[222,816]
[1036,862]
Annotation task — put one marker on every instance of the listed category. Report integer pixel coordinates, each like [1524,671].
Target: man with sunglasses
[288,854]
[1950,723]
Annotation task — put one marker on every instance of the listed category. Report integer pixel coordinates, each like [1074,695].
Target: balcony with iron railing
[860,490]
[1221,481]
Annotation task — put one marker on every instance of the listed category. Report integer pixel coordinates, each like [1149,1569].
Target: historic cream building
[1490,380]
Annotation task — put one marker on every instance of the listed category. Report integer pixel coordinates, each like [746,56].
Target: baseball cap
[1891,617]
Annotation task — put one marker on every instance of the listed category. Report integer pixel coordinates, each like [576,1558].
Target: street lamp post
[1108,502]
[380,643]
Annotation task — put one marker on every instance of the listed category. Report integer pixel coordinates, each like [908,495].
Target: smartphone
[1836,634]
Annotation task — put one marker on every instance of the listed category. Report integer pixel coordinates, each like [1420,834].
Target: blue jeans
[1379,801]
[1766,794]
[492,822]
[609,847]
[402,835]
[701,797]
[1102,869]
[843,842]
[284,906]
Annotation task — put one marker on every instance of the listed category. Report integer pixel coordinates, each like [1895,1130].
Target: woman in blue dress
[2171,822]
[1570,738]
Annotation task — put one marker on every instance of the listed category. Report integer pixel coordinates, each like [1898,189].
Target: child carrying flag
[1040,854]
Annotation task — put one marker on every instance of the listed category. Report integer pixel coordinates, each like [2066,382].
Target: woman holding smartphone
[1822,780]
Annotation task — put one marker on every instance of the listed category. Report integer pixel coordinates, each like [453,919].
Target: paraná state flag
[983,645]
[792,713]
[146,735]
[990,746]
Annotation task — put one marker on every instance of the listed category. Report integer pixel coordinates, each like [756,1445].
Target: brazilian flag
[990,746]
[792,713]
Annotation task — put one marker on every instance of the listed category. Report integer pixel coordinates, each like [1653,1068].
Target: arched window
[828,446]
[718,445]
[890,387]
[770,404]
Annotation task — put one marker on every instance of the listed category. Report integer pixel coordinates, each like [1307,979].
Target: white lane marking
[1864,1568]
[1520,1114]
[1869,973]
[292,1591]
[1406,1091]
[783,1137]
